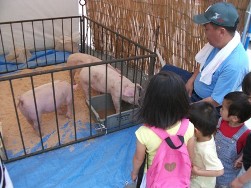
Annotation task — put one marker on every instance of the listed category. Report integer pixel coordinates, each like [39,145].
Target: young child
[231,135]
[206,164]
[165,104]
[244,177]
[246,84]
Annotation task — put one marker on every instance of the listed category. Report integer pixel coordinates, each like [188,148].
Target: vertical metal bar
[63,37]
[38,120]
[3,50]
[153,59]
[106,94]
[71,38]
[90,100]
[128,55]
[26,58]
[34,39]
[54,41]
[55,106]
[91,41]
[106,45]
[82,39]
[18,122]
[73,106]
[121,92]
[13,42]
[111,46]
[102,38]
[44,43]
[247,23]
[134,71]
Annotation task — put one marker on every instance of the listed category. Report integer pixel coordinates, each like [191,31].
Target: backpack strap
[163,134]
[160,132]
[183,127]
[177,141]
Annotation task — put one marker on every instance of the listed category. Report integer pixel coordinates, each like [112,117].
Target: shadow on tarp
[67,135]
[38,59]
[104,162]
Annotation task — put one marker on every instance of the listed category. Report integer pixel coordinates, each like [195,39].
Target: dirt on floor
[12,133]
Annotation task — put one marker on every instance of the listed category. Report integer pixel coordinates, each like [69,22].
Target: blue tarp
[40,58]
[101,162]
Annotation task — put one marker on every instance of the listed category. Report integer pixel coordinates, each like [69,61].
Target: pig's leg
[60,111]
[116,103]
[85,87]
[72,76]
[35,126]
[69,107]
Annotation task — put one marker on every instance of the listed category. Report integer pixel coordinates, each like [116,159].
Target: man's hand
[189,87]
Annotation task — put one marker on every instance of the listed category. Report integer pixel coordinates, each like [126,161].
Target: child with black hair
[165,105]
[206,164]
[231,135]
[246,84]
[244,177]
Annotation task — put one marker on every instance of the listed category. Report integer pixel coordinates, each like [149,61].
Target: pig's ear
[128,92]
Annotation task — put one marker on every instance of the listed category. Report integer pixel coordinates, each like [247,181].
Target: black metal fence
[18,139]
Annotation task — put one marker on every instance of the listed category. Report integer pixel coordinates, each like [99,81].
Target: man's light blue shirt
[227,78]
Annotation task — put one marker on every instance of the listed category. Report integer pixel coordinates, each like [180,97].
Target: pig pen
[46,63]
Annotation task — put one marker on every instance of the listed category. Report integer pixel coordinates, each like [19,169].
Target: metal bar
[72,67]
[55,107]
[38,20]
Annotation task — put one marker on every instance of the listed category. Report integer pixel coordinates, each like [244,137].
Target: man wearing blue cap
[223,60]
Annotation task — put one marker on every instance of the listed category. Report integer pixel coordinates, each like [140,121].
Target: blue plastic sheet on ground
[38,59]
[82,130]
[104,162]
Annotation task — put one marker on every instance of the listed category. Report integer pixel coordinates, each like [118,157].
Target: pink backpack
[171,166]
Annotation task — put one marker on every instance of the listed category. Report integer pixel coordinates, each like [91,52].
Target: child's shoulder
[144,128]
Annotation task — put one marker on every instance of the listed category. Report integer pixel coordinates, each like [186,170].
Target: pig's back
[44,93]
[80,58]
[98,77]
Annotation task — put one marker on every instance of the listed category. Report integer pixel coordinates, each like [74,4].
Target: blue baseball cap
[222,14]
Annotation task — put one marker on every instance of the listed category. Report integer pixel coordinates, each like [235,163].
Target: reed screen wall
[179,39]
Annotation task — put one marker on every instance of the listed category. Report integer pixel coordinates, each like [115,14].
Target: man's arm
[190,82]
[210,100]
[240,181]
[207,173]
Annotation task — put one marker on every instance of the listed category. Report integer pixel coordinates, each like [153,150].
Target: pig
[80,58]
[45,101]
[98,83]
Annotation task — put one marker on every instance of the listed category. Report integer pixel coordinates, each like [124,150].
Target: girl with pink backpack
[167,137]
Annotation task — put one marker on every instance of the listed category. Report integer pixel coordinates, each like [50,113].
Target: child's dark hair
[204,116]
[246,84]
[239,105]
[166,100]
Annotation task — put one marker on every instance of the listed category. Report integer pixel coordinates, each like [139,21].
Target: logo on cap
[217,18]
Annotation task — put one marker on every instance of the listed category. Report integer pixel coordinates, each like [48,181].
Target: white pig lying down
[98,83]
[81,58]
[45,101]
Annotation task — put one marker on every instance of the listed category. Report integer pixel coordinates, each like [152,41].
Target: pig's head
[128,94]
